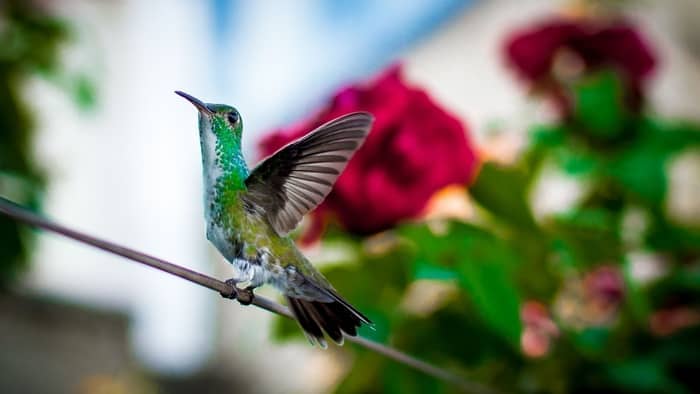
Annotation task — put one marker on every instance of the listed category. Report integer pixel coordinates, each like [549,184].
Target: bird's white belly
[260,272]
[263,269]
[245,271]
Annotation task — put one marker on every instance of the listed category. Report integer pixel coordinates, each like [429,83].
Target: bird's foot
[243,296]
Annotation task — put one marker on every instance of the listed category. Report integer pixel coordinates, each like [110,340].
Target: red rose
[414,149]
[533,52]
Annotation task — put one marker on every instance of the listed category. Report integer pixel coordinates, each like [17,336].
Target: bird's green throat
[224,167]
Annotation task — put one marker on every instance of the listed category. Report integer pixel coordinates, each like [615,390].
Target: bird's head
[223,121]
[220,128]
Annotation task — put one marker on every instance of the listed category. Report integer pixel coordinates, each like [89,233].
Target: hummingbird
[250,213]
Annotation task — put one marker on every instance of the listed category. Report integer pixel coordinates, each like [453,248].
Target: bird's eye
[233,117]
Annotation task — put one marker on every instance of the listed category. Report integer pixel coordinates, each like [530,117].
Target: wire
[26,216]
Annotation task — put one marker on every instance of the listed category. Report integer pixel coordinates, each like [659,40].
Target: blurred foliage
[555,304]
[30,42]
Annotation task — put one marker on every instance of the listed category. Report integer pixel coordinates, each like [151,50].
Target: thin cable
[24,215]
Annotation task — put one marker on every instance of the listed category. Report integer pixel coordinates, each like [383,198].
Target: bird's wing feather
[296,178]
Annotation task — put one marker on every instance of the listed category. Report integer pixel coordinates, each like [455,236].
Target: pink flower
[538,329]
[605,284]
[593,300]
[414,149]
[668,321]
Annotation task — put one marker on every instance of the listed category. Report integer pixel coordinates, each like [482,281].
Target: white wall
[129,171]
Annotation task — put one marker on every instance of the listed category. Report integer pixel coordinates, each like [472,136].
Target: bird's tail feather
[336,318]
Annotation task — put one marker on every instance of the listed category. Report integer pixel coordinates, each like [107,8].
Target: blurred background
[525,212]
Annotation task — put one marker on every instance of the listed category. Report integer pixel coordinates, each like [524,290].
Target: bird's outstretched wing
[296,178]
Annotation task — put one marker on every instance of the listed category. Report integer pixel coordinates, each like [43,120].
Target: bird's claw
[243,296]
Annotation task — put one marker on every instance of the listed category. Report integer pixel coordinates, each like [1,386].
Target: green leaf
[587,236]
[485,265]
[673,136]
[593,340]
[641,167]
[366,374]
[502,191]
[400,380]
[453,332]
[576,162]
[84,91]
[641,171]
[488,281]
[599,107]
[547,136]
[426,270]
[643,375]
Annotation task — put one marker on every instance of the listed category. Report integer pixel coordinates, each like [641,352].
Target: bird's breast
[225,240]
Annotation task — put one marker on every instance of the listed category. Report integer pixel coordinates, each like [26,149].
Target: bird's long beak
[195,101]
